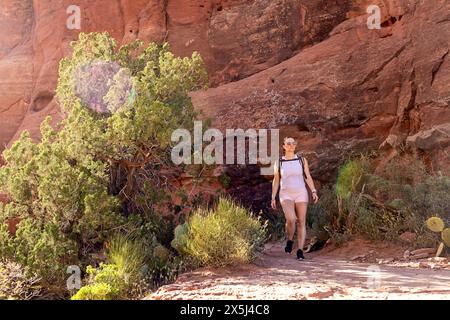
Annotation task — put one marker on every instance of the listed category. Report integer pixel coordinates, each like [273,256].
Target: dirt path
[327,274]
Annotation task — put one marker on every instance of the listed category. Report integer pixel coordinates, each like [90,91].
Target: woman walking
[291,173]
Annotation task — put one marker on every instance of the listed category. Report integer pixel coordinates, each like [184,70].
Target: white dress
[292,183]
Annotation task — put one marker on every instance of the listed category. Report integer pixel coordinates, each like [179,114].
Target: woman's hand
[315,197]
[274,204]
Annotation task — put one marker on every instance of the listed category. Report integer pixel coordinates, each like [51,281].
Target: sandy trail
[324,275]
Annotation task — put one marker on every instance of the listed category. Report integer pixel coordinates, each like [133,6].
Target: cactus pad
[161,253]
[435,224]
[446,237]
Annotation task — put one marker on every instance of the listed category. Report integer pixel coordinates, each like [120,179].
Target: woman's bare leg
[289,214]
[301,209]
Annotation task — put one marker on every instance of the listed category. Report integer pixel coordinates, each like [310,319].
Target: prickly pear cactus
[161,253]
[397,204]
[446,237]
[180,240]
[435,224]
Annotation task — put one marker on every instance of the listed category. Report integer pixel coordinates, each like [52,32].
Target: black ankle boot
[300,255]
[289,245]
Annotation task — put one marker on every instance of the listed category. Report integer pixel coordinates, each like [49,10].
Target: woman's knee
[291,220]
[301,222]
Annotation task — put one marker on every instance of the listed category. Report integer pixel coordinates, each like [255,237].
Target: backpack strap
[280,162]
[303,166]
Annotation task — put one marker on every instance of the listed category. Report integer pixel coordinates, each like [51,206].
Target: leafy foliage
[321,217]
[348,179]
[226,234]
[100,171]
[134,267]
[382,205]
[107,283]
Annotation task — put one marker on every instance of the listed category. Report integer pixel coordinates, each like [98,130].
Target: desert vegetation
[385,204]
[95,191]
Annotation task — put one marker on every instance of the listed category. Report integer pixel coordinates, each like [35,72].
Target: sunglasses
[291,143]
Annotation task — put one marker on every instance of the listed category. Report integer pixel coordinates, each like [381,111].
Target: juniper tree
[98,171]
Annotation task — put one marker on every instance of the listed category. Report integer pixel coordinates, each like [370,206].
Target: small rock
[421,256]
[422,251]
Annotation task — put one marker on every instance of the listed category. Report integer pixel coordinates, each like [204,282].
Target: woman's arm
[310,181]
[275,184]
[276,181]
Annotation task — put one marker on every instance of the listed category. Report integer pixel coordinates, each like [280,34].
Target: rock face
[359,89]
[236,38]
[311,68]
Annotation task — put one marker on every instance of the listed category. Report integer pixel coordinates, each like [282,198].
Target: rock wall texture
[311,68]
[236,38]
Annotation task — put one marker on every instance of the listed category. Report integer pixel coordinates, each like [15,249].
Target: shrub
[227,234]
[382,205]
[322,218]
[15,284]
[98,291]
[106,283]
[96,173]
[429,197]
[43,250]
[129,256]
[349,177]
[276,224]
[135,266]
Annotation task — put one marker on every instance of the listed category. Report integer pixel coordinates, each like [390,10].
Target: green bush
[226,234]
[349,177]
[98,291]
[42,250]
[276,224]
[129,256]
[106,283]
[101,170]
[180,239]
[415,194]
[322,217]
[117,279]
[397,198]
[134,267]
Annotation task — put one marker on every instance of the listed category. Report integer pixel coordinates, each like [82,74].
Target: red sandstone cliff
[309,67]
